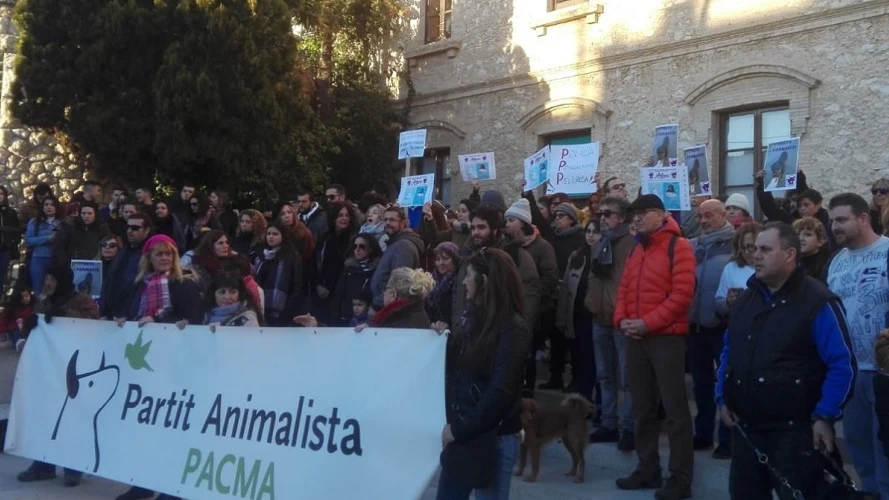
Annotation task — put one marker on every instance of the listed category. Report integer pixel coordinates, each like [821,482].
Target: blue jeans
[861,427]
[704,349]
[37,270]
[507,454]
[611,370]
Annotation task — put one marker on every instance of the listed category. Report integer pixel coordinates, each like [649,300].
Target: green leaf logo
[135,354]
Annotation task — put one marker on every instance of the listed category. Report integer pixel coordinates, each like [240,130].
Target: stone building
[511,76]
[28,156]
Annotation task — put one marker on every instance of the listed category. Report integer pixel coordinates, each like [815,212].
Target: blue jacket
[831,340]
[39,238]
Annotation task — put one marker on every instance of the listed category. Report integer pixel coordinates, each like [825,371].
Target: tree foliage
[261,97]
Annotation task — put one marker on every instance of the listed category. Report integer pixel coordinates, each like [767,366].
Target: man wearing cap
[653,303]
[116,290]
[519,229]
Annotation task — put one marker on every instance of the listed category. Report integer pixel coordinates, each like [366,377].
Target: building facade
[511,76]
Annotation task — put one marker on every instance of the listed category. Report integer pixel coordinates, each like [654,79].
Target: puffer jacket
[601,297]
[649,292]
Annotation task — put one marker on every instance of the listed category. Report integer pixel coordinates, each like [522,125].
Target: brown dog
[542,425]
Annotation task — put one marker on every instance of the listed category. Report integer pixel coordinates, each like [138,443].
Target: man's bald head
[712,215]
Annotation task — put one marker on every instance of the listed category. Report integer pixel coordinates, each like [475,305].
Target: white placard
[782,165]
[412,144]
[670,184]
[665,149]
[87,277]
[573,169]
[478,167]
[246,412]
[698,174]
[416,190]
[537,168]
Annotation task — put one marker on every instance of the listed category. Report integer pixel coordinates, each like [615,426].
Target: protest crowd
[781,325]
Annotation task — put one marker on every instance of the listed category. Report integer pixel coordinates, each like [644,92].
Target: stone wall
[504,83]
[28,156]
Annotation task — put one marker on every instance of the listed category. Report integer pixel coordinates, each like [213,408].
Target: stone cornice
[449,47]
[713,41]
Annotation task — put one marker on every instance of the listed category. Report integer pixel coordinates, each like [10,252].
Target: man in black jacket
[116,290]
[786,372]
[10,234]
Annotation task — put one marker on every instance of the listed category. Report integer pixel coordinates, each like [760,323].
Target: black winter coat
[352,283]
[77,241]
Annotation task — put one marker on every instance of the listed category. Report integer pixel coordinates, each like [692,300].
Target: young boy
[360,306]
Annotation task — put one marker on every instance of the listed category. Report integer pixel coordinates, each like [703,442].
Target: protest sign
[477,167]
[412,144]
[259,413]
[574,169]
[665,149]
[670,184]
[87,276]
[537,168]
[698,174]
[782,165]
[416,190]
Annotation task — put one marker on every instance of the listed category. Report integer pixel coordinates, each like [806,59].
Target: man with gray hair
[712,252]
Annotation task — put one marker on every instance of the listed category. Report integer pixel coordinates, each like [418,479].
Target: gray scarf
[706,240]
[604,253]
[567,232]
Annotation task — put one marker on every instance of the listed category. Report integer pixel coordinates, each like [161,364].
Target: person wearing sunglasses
[109,247]
[879,209]
[354,281]
[117,287]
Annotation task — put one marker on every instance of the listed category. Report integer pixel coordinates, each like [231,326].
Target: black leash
[764,460]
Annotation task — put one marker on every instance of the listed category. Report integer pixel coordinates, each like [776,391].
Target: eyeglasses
[615,187]
[132,227]
[359,246]
[109,244]
[605,213]
[331,197]
[876,191]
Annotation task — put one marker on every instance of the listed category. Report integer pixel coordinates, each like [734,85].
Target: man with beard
[487,231]
[403,250]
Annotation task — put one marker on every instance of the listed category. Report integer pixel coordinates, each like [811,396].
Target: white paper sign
[416,190]
[241,413]
[478,167]
[781,165]
[537,168]
[665,149]
[698,173]
[87,276]
[670,184]
[573,169]
[412,144]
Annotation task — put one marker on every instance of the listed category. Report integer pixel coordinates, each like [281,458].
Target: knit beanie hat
[521,210]
[647,202]
[449,248]
[567,209]
[738,200]
[154,240]
[494,198]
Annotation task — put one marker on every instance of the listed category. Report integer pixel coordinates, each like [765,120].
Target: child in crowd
[229,304]
[374,225]
[360,307]
[14,317]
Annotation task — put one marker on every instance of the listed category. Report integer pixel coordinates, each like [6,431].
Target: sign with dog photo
[245,412]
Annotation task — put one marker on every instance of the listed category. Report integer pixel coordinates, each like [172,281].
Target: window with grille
[438,20]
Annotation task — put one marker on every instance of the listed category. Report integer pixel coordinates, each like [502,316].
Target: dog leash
[764,460]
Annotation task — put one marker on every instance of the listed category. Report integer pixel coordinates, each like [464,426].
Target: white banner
[698,173]
[478,167]
[574,169]
[782,165]
[245,412]
[87,276]
[416,190]
[665,149]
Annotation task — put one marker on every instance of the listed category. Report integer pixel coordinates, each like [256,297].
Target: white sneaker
[19,345]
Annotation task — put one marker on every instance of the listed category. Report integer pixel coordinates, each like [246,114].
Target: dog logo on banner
[87,393]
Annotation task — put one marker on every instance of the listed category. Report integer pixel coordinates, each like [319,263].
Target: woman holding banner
[484,371]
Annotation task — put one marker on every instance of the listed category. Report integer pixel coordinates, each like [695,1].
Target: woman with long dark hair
[229,304]
[279,271]
[39,235]
[227,218]
[168,223]
[327,264]
[251,234]
[214,255]
[484,372]
[354,281]
[439,303]
[201,220]
[299,235]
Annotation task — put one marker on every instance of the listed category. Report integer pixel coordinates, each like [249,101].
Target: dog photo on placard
[566,422]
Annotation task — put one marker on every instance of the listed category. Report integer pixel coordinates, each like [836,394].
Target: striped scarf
[156,296]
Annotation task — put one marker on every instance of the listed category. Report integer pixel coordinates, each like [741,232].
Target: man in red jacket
[653,302]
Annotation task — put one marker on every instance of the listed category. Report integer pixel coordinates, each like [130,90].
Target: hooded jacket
[649,292]
[712,253]
[403,250]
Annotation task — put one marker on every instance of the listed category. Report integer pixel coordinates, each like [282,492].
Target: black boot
[38,471]
[136,493]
